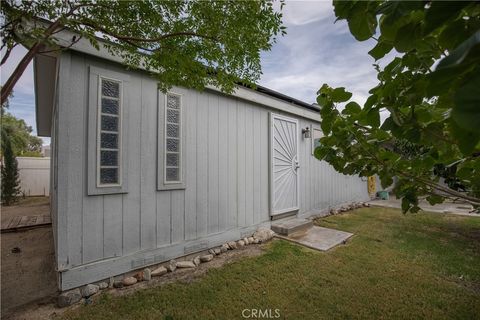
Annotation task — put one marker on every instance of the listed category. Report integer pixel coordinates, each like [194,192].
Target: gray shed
[140,177]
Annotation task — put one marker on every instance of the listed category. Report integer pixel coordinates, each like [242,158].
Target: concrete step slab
[289,226]
[318,238]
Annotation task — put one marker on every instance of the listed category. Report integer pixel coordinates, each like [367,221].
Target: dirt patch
[48,310]
[28,258]
[30,206]
[28,268]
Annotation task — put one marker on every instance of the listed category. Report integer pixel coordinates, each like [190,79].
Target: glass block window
[108,139]
[173,139]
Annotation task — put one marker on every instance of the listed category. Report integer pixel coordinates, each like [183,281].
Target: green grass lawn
[415,266]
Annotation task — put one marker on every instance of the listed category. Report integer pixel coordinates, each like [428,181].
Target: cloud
[296,13]
[317,50]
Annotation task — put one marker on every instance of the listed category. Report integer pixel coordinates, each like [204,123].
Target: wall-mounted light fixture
[306,132]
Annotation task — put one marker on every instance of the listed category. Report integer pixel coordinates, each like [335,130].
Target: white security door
[284,164]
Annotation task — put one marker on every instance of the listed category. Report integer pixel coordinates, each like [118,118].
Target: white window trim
[119,132]
[180,139]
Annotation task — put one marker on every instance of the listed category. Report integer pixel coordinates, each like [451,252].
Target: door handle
[296,165]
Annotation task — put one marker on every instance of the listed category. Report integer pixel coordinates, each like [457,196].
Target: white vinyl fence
[34,175]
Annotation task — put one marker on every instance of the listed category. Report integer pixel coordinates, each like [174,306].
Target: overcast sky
[315,51]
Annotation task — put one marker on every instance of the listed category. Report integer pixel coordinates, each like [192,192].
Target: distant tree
[431,91]
[189,43]
[19,134]
[10,180]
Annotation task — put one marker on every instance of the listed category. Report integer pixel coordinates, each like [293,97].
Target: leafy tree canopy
[19,135]
[431,90]
[188,43]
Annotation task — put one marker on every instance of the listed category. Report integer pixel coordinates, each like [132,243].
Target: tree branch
[7,54]
[22,65]
[422,180]
[74,40]
[136,39]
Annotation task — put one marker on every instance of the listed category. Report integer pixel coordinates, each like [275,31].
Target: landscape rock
[89,290]
[139,276]
[111,281]
[68,298]
[147,274]
[172,265]
[217,251]
[367,204]
[128,281]
[160,271]
[256,241]
[196,261]
[206,258]
[103,285]
[119,284]
[185,264]
[263,234]
[240,243]
[212,251]
[246,241]
[232,245]
[250,240]
[224,248]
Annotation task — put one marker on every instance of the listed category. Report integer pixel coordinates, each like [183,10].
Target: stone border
[352,206]
[85,293]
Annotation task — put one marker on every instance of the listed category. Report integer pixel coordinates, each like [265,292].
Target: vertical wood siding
[227,168]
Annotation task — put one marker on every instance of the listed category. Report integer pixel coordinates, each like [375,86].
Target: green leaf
[453,35]
[352,108]
[405,204]
[380,50]
[415,209]
[388,124]
[326,123]
[371,100]
[440,12]
[322,100]
[340,95]
[466,111]
[466,140]
[457,56]
[342,8]
[464,173]
[373,118]
[393,66]
[321,152]
[406,37]
[362,23]
[434,199]
[440,81]
[325,88]
[386,181]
